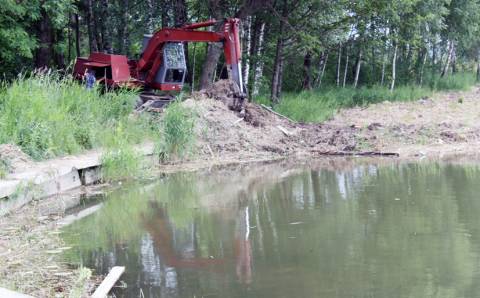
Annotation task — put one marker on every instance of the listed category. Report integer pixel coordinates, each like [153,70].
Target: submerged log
[365,153]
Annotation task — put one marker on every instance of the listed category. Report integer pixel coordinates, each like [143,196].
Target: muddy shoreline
[440,129]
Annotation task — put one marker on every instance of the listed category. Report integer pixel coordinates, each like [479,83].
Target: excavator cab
[174,67]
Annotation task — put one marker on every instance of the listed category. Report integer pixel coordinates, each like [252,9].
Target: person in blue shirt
[90,79]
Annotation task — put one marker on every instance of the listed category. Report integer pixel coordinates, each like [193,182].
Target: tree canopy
[287,44]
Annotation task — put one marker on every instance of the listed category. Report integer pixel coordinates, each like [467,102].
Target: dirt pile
[254,130]
[227,92]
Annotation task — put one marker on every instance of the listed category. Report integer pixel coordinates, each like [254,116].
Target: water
[335,230]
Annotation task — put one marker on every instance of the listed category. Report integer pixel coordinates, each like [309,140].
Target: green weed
[120,160]
[177,131]
[79,288]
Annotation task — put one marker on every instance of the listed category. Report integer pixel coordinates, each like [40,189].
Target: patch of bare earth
[228,128]
[446,124]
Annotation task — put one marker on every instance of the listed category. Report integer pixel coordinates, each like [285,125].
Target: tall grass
[48,115]
[459,81]
[177,131]
[320,105]
[120,160]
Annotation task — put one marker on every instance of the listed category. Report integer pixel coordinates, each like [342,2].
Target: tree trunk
[374,70]
[123,34]
[247,49]
[280,78]
[278,64]
[214,50]
[394,66]
[307,71]
[449,59]
[258,72]
[69,37]
[97,29]
[323,66]
[478,65]
[150,16]
[58,55]
[90,31]
[166,7]
[346,70]
[339,62]
[357,68]
[193,66]
[384,62]
[77,35]
[454,61]
[105,29]
[277,68]
[44,30]
[422,69]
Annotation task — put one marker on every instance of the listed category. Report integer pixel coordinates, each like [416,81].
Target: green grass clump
[48,115]
[321,105]
[458,81]
[178,131]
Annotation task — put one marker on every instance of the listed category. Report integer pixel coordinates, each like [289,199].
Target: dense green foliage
[288,45]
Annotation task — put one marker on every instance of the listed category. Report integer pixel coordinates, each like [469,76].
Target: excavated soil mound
[227,125]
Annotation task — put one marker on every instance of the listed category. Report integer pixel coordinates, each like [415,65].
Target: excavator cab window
[174,76]
[173,68]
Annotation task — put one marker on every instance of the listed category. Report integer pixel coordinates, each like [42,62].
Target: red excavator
[162,66]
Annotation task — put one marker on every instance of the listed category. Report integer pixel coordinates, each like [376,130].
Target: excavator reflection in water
[159,228]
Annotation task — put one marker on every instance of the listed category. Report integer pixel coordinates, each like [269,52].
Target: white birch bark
[258,71]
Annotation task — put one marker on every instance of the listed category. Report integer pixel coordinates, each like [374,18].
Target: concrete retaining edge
[54,176]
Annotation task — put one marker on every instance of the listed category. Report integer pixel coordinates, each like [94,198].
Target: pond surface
[341,230]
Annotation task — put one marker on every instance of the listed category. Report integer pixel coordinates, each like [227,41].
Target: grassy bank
[49,115]
[320,105]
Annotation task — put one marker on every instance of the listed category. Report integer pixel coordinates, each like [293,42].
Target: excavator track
[152,102]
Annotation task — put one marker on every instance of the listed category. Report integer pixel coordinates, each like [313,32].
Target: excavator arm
[152,59]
